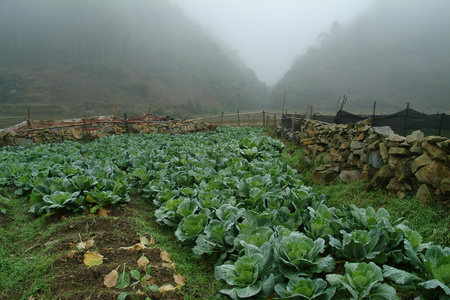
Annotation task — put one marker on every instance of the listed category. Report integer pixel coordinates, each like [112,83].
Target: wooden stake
[149,112]
[264,118]
[221,120]
[28,119]
[284,100]
[239,119]
[114,110]
[406,118]
[126,123]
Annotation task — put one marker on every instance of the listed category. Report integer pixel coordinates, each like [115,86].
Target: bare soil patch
[113,237]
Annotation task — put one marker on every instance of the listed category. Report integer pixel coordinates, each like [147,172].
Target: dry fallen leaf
[81,245]
[134,247]
[110,280]
[169,266]
[143,261]
[145,241]
[89,244]
[165,256]
[71,254]
[180,280]
[149,280]
[92,258]
[166,288]
[103,212]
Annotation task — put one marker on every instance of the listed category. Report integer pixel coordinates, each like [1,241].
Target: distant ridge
[75,58]
[397,52]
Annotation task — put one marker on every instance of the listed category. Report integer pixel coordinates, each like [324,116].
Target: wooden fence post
[406,118]
[149,112]
[440,123]
[221,120]
[239,121]
[126,122]
[28,119]
[293,129]
[248,122]
[114,110]
[275,123]
[264,118]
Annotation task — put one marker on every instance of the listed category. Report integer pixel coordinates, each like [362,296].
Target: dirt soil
[113,237]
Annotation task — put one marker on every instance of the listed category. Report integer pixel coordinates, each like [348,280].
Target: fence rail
[252,119]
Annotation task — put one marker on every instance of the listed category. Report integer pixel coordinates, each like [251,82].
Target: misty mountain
[74,58]
[396,52]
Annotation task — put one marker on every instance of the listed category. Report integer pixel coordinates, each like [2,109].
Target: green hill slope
[397,52]
[75,58]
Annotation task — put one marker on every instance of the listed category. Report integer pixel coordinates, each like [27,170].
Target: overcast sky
[269,34]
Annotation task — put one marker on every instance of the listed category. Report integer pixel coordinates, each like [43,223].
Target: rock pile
[77,134]
[380,157]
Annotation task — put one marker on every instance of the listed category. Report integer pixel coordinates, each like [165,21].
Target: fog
[269,34]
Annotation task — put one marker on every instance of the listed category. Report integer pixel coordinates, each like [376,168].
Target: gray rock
[350,175]
[393,161]
[384,152]
[433,174]
[396,138]
[395,186]
[425,194]
[435,139]
[402,170]
[382,130]
[399,151]
[381,178]
[25,142]
[445,145]
[374,159]
[323,177]
[434,151]
[414,136]
[417,148]
[372,138]
[419,162]
[445,186]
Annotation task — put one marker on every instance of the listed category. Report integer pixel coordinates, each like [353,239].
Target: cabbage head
[304,288]
[298,255]
[250,276]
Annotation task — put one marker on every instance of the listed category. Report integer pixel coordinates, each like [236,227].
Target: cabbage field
[227,195]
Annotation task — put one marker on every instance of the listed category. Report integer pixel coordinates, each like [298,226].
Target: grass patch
[23,264]
[431,222]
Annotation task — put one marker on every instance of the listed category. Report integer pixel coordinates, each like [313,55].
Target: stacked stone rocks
[382,158]
[77,134]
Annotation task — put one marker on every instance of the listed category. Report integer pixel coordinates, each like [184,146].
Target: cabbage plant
[298,255]
[218,237]
[191,226]
[302,288]
[360,245]
[250,276]
[362,281]
[433,269]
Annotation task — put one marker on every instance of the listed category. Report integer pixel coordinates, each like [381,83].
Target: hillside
[396,52]
[73,59]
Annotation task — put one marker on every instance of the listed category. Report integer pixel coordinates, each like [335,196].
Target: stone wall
[77,134]
[380,157]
